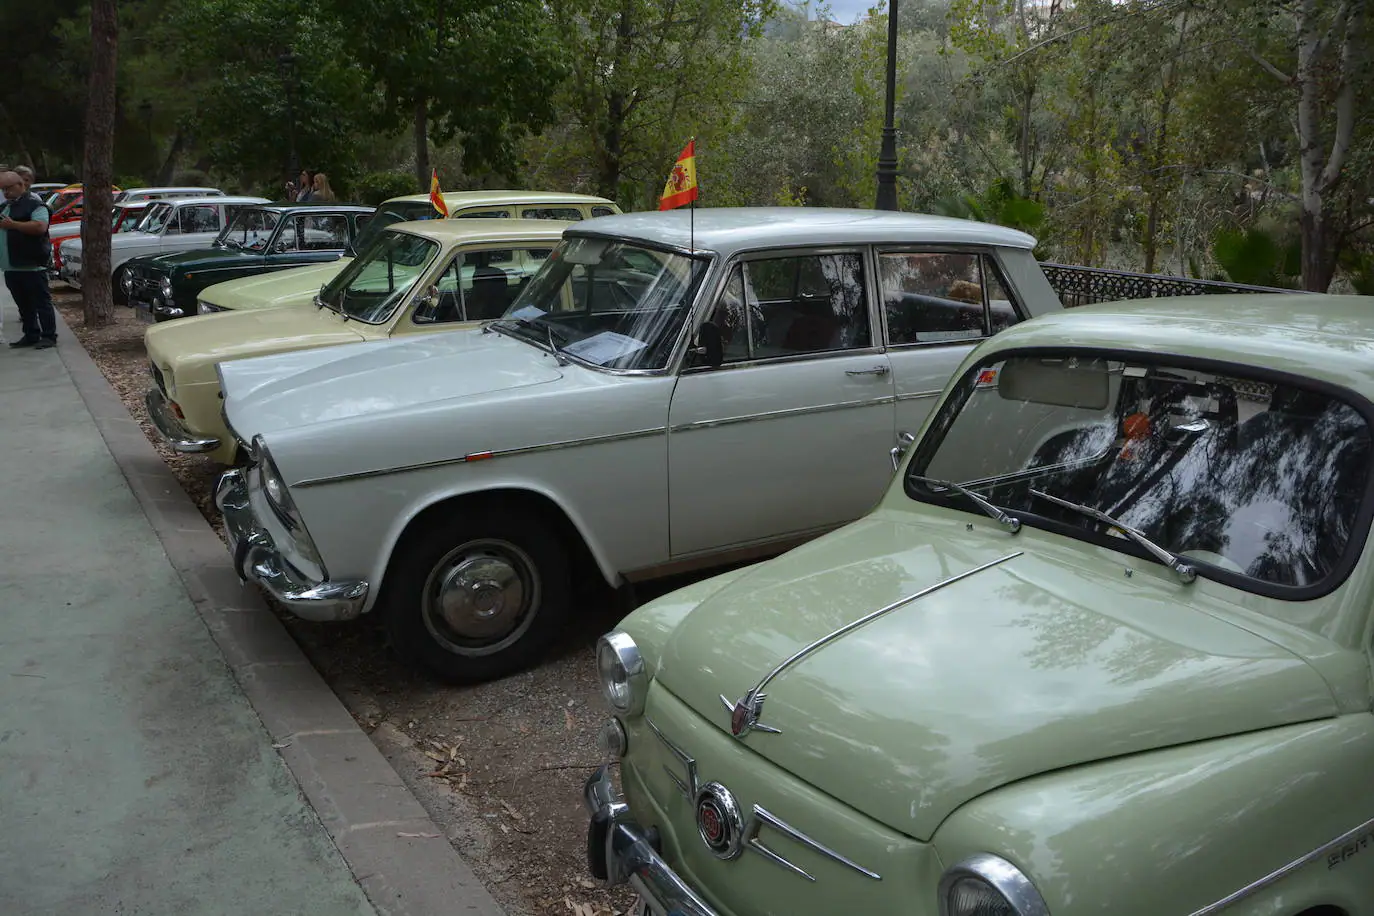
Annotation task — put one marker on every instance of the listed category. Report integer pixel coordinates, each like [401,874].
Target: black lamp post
[887,153]
[145,110]
[286,64]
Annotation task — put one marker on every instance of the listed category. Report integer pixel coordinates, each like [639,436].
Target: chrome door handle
[876,370]
[905,439]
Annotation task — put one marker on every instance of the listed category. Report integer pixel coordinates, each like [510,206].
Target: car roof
[1330,338]
[178,189]
[726,230]
[485,230]
[285,205]
[501,197]
[187,201]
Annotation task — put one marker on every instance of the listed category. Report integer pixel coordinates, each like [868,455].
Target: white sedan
[660,397]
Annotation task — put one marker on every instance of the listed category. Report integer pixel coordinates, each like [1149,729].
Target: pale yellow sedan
[415,278]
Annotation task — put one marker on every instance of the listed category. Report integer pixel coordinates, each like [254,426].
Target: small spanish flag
[682,180]
[436,197]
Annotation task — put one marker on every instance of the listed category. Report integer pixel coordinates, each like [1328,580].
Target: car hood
[280,287]
[1050,659]
[200,342]
[273,393]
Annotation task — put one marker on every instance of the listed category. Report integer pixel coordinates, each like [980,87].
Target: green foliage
[998,204]
[374,187]
[1256,257]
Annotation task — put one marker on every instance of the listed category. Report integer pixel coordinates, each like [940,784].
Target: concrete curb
[362,802]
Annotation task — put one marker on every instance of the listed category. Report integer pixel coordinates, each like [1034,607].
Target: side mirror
[425,306]
[279,247]
[709,349]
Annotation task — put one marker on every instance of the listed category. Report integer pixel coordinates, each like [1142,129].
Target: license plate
[144,311]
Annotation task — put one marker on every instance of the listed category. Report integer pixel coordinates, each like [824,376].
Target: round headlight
[988,885]
[166,286]
[611,740]
[621,669]
[126,281]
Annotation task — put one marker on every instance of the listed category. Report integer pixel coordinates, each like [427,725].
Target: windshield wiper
[1009,522]
[549,330]
[1185,572]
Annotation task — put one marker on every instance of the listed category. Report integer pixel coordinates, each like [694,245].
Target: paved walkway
[135,777]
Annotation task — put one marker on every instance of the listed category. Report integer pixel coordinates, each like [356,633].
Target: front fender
[1180,830]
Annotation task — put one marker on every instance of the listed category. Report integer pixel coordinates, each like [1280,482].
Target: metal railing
[1086,285]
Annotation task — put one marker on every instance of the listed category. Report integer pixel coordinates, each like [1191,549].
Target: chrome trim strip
[1283,872]
[749,708]
[688,789]
[778,414]
[920,395]
[778,824]
[483,456]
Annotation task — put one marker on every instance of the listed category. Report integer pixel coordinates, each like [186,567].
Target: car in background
[46,189]
[168,226]
[72,204]
[302,283]
[124,217]
[414,278]
[260,239]
[667,393]
[1104,646]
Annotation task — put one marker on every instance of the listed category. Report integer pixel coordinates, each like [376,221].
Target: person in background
[307,189]
[321,188]
[24,258]
[26,173]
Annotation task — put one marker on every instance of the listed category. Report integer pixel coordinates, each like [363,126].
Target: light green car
[1104,647]
[299,286]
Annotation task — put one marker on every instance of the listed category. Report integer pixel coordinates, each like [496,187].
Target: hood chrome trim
[746,711]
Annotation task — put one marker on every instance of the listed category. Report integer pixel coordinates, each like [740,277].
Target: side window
[478,285]
[788,306]
[571,214]
[203,218]
[359,222]
[602,211]
[322,233]
[932,297]
[173,224]
[484,214]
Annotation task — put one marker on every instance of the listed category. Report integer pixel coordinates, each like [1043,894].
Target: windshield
[251,230]
[375,282]
[607,303]
[1249,480]
[126,218]
[155,218]
[390,214]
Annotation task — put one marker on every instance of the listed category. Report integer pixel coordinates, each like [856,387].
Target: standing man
[24,258]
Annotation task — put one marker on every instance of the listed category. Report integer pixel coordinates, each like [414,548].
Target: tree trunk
[98,168]
[422,172]
[1318,252]
[169,165]
[1155,183]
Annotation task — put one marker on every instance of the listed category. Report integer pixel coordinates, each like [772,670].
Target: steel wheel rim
[481,597]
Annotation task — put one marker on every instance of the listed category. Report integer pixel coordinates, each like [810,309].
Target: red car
[125,217]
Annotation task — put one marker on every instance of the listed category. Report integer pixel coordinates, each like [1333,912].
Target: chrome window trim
[481,455]
[780,414]
[789,358]
[1001,876]
[1283,872]
[919,395]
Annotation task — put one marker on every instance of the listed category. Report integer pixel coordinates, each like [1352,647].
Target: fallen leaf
[511,811]
[421,836]
[282,745]
[568,719]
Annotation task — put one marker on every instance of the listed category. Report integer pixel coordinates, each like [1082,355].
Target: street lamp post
[145,110]
[887,153]
[286,63]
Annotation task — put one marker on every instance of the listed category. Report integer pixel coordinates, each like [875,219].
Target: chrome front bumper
[171,427]
[257,558]
[619,850]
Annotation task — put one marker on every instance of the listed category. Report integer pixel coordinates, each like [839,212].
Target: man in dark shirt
[24,253]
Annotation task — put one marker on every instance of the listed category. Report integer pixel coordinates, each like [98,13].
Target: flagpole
[692,218]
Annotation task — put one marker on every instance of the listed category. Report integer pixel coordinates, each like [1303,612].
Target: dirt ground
[500,766]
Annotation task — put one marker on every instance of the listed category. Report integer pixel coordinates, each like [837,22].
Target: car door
[937,306]
[198,225]
[790,434]
[476,284]
[309,238]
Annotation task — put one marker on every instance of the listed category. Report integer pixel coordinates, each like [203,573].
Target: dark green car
[260,239]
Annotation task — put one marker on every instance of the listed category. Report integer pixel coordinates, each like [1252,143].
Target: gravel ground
[500,766]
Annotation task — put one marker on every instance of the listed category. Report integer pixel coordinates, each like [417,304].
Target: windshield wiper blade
[553,347]
[1009,522]
[1185,572]
[549,330]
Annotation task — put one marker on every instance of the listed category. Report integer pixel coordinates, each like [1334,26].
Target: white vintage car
[167,226]
[659,398]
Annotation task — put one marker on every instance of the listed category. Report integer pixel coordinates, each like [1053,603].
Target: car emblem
[719,822]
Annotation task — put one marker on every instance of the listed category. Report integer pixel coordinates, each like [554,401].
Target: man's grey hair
[24,172]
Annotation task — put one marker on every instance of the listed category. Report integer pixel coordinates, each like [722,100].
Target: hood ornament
[747,710]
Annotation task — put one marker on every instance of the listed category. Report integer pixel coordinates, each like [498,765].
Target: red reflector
[477,456]
[176,409]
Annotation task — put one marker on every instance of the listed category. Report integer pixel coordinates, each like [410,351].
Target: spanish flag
[682,180]
[436,197]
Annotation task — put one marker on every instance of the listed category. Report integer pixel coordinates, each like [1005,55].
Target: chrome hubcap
[481,597]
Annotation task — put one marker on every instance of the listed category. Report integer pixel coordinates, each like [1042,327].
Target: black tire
[117,286]
[478,561]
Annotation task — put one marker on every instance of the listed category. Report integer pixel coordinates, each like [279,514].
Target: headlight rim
[999,874]
[164,286]
[631,661]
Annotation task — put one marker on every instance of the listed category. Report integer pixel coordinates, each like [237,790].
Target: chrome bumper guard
[619,850]
[257,558]
[171,428]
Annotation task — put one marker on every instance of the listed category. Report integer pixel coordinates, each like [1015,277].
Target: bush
[374,187]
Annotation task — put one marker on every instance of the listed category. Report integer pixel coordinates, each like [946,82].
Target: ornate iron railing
[1086,285]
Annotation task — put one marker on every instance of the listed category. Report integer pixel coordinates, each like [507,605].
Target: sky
[844,11]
